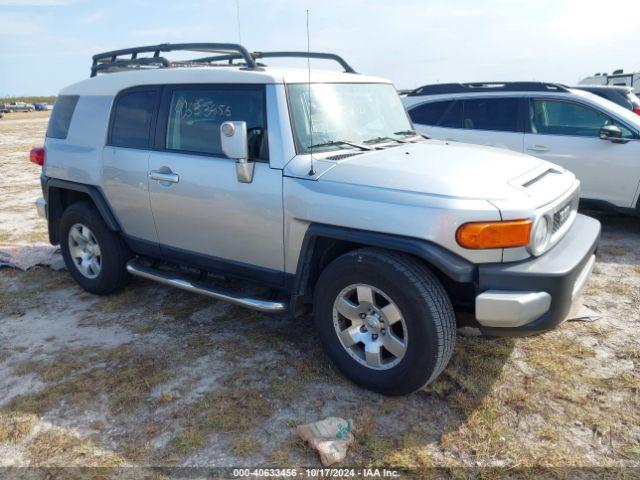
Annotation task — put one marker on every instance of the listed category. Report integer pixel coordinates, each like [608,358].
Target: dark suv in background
[623,96]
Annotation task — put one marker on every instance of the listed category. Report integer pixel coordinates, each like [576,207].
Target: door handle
[538,148]
[164,176]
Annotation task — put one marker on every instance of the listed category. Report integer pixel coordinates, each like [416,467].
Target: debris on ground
[26,256]
[331,437]
[584,314]
[469,331]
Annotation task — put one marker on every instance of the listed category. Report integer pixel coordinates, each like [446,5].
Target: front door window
[553,117]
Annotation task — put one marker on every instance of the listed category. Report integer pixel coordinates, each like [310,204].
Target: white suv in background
[596,139]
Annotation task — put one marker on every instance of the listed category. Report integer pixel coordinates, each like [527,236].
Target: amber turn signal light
[506,234]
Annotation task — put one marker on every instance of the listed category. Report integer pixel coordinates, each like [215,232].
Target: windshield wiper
[408,133]
[340,142]
[382,139]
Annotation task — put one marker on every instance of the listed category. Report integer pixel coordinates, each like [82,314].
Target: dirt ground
[158,377]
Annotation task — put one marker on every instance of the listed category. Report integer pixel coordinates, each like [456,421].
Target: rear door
[492,121]
[568,133]
[203,214]
[126,161]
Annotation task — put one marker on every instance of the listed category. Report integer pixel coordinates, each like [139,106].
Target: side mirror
[233,140]
[612,133]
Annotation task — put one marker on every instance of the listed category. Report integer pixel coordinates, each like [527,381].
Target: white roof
[112,83]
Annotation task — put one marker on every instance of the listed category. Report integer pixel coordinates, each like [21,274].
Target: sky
[47,44]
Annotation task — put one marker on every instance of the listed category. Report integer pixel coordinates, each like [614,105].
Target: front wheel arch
[324,243]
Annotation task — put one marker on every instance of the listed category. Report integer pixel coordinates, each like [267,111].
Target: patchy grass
[14,428]
[290,376]
[123,301]
[614,251]
[13,304]
[245,446]
[180,305]
[61,448]
[225,411]
[231,410]
[188,440]
[631,352]
[76,377]
[198,345]
[376,448]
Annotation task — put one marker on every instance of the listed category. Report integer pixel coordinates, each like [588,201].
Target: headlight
[540,236]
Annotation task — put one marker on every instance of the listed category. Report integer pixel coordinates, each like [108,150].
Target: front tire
[385,320]
[95,256]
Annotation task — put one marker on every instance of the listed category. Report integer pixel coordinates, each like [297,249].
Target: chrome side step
[136,268]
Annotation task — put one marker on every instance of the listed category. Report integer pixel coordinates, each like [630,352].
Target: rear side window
[132,115]
[195,116]
[499,114]
[447,114]
[61,116]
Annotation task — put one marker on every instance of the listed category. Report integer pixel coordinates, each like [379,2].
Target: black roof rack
[443,88]
[258,55]
[109,61]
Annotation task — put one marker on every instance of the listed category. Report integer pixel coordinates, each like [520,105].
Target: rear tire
[95,256]
[408,311]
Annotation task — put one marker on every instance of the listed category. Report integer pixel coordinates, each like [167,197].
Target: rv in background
[617,78]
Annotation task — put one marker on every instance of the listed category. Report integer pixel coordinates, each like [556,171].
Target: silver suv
[312,183]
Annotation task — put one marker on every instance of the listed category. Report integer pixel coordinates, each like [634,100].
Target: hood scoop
[550,171]
[545,183]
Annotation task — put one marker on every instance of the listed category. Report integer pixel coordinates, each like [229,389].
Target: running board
[174,280]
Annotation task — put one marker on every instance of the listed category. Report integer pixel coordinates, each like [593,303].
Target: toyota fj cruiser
[314,184]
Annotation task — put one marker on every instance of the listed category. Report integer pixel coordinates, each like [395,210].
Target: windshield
[345,112]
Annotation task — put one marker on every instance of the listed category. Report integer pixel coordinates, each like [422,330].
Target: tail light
[37,156]
[636,110]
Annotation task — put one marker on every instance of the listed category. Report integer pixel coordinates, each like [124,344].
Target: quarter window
[551,117]
[132,119]
[195,116]
[499,114]
[61,116]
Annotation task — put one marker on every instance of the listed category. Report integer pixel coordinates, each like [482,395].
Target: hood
[453,169]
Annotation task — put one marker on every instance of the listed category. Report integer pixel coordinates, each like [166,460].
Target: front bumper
[534,295]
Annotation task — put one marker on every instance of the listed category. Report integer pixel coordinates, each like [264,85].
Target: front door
[568,134]
[203,215]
